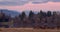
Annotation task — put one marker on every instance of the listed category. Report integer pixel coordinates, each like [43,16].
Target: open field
[27,30]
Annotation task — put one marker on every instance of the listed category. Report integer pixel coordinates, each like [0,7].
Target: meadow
[27,30]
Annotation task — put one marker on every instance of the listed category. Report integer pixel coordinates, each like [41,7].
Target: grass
[27,30]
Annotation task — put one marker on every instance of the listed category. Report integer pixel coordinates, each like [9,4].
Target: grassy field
[27,30]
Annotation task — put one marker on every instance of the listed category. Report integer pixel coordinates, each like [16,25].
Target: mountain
[15,13]
[10,12]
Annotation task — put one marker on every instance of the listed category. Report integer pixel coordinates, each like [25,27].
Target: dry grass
[27,30]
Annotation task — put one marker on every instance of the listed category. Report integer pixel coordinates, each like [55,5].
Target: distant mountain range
[10,12]
[15,13]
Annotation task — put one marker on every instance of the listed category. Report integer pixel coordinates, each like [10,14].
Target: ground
[27,30]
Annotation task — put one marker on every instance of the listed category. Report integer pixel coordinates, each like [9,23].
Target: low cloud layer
[22,2]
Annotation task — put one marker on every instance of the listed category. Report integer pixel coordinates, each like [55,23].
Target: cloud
[22,2]
[55,0]
[44,1]
[13,2]
[39,1]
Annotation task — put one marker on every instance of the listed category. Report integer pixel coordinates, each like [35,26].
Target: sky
[35,5]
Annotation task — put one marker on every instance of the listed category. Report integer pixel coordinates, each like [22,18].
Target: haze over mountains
[9,12]
[15,13]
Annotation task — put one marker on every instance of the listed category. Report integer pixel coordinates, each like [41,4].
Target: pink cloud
[36,7]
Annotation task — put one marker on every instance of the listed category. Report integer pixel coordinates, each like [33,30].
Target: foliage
[40,20]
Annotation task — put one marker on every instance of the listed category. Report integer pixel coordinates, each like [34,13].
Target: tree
[22,15]
[53,16]
[44,14]
[54,13]
[41,14]
[31,14]
[49,13]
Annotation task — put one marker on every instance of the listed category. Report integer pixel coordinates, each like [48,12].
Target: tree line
[43,20]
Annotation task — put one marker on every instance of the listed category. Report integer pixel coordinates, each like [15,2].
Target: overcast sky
[30,4]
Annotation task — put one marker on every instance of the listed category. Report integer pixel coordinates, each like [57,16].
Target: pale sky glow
[35,7]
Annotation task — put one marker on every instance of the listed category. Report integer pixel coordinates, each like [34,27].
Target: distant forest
[41,20]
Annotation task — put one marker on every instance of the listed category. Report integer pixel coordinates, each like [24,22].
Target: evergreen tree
[54,13]
[49,13]
[41,14]
[22,15]
[44,14]
[31,14]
